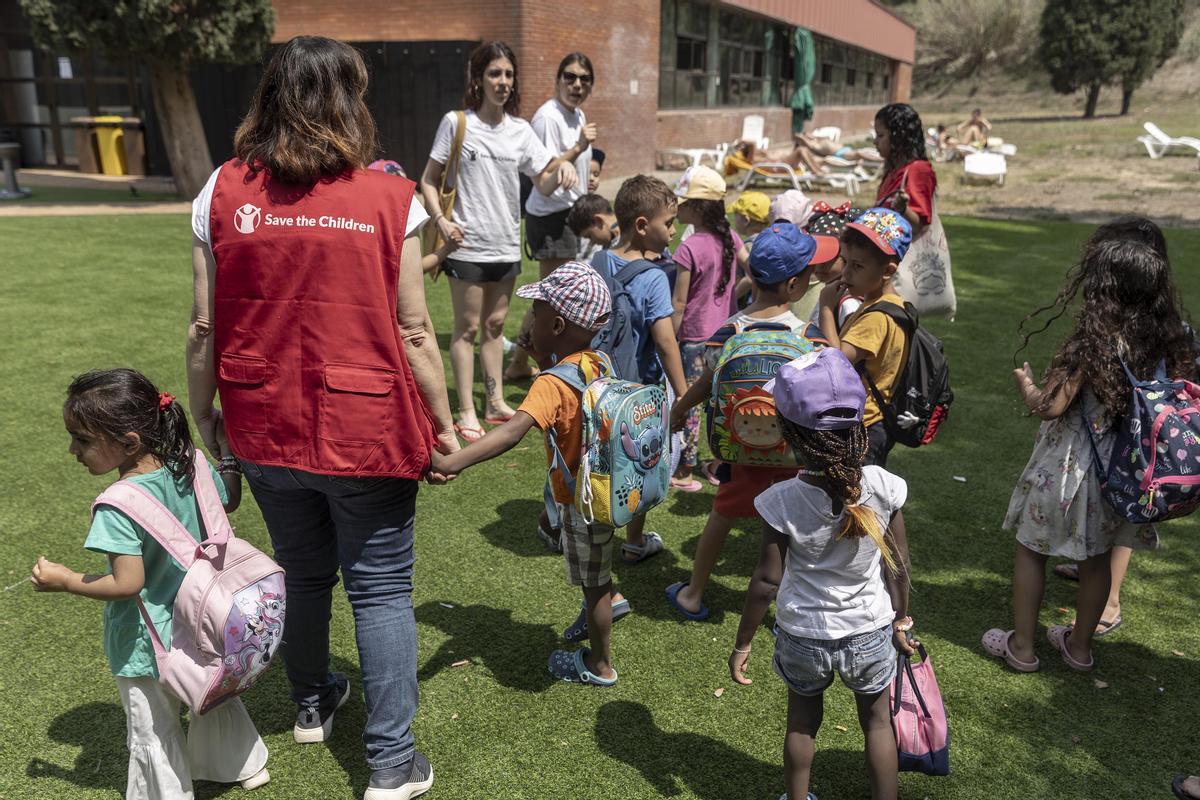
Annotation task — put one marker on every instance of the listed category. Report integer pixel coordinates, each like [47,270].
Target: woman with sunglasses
[563,128]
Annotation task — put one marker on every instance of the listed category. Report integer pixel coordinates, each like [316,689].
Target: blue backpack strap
[572,375]
[633,269]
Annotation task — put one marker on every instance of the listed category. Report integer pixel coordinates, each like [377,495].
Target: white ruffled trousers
[222,745]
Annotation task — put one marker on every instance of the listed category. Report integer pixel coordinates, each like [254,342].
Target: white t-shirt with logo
[559,128]
[831,588]
[202,208]
[488,189]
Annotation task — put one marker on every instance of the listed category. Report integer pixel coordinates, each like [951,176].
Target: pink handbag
[919,718]
[227,620]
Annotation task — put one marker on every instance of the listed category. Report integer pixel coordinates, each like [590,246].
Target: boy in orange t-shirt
[569,306]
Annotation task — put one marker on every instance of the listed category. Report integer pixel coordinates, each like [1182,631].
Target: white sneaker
[260,778]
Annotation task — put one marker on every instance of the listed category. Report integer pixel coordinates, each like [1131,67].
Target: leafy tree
[169,36]
[1078,45]
[1153,29]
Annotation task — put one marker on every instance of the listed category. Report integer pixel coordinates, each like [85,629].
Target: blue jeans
[364,525]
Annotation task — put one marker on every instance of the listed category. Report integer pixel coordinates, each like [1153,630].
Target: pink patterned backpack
[227,620]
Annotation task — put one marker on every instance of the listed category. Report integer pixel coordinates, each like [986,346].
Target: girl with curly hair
[1129,312]
[909,181]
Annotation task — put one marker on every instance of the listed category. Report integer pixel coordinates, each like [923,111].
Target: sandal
[686,484]
[709,468]
[673,598]
[469,433]
[640,552]
[1058,636]
[995,642]
[551,538]
[1107,626]
[578,629]
[1177,788]
[569,666]
[497,419]
[1068,571]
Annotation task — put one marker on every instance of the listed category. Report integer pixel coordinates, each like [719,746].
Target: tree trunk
[1126,99]
[182,131]
[1093,96]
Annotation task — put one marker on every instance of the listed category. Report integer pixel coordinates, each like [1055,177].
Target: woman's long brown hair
[308,119]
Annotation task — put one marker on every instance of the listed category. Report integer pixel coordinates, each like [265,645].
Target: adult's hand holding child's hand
[208,424]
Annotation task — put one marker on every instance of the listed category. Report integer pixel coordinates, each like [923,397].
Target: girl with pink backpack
[118,420]
[834,558]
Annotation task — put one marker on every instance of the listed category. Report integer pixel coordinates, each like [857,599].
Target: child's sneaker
[394,784]
[260,778]
[316,724]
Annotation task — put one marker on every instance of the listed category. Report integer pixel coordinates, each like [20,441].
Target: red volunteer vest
[310,366]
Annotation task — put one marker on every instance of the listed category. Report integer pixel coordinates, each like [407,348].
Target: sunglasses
[570,77]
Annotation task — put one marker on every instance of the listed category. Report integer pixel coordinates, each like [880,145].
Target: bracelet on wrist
[737,649]
[229,464]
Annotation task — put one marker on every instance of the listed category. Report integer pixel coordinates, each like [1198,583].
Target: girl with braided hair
[835,558]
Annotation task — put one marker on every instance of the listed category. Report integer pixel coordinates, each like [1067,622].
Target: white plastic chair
[753,128]
[831,132]
[1157,143]
[985,167]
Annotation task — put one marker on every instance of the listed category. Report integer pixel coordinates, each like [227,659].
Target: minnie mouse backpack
[227,620]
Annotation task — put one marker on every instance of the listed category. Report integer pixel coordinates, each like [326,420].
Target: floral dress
[1056,508]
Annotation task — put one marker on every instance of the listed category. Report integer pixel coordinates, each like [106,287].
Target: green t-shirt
[126,640]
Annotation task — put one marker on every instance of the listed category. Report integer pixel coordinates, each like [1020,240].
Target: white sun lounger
[778,170]
[1158,143]
[985,167]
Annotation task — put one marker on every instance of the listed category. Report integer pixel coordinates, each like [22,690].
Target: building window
[714,56]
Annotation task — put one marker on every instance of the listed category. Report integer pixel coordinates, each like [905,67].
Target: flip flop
[1177,788]
[498,420]
[1107,626]
[995,642]
[552,539]
[1068,571]
[686,485]
[469,433]
[1058,636]
[567,665]
[640,552]
[673,598]
[578,630]
[709,468]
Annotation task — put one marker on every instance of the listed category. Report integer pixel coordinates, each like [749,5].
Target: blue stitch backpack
[616,338]
[624,469]
[1153,473]
[742,426]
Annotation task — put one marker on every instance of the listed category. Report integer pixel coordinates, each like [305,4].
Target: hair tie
[164,400]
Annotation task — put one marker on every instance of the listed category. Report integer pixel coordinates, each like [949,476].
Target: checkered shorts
[587,549]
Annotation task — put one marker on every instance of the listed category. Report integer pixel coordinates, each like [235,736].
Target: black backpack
[923,386]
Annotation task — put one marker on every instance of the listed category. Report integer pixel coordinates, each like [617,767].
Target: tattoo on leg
[490,383]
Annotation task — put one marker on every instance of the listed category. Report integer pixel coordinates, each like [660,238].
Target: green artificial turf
[88,292]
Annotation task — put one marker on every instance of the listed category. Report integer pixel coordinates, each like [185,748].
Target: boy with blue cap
[873,245]
[781,265]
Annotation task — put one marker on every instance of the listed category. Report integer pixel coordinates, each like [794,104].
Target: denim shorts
[866,662]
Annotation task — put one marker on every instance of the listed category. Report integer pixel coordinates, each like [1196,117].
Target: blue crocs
[673,598]
[577,631]
[567,665]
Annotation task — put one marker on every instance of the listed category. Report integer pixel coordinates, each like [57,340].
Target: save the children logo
[247,218]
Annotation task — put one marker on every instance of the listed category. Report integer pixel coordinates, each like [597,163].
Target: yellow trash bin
[110,142]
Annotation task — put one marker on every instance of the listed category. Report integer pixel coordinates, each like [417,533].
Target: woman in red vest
[310,322]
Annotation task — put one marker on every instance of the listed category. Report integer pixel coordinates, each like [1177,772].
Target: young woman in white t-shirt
[835,558]
[497,146]
[563,128]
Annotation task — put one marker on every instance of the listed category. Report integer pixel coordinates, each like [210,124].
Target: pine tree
[1078,45]
[169,36]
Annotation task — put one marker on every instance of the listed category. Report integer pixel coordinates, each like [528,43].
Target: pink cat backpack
[227,620]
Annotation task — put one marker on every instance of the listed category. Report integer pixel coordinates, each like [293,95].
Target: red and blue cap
[886,229]
[783,251]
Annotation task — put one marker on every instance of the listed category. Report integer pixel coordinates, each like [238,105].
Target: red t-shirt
[919,182]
